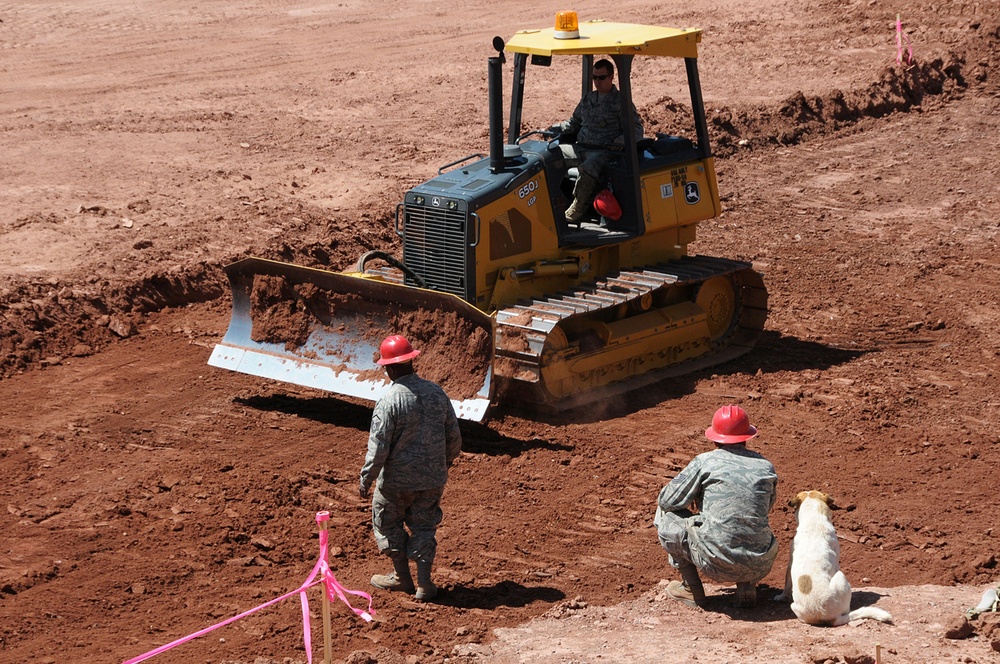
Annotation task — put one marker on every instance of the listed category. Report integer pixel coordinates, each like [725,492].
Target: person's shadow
[723,600]
[505,593]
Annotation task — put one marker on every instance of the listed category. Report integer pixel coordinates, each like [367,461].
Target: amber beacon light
[567,26]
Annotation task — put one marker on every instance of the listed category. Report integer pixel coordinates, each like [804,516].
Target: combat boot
[583,192]
[399,579]
[746,595]
[690,591]
[426,590]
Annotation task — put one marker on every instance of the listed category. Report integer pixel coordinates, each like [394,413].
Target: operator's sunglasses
[601,77]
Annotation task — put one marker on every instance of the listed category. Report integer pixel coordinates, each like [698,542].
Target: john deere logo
[691,193]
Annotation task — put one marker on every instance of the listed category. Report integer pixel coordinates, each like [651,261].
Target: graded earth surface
[147,495]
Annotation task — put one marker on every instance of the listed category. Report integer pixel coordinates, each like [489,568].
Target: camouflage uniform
[414,438]
[597,120]
[729,539]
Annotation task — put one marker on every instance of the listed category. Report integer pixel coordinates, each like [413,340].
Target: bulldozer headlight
[418,199]
[567,26]
[452,205]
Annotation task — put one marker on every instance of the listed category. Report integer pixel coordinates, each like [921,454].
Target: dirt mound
[327,326]
[42,323]
[799,118]
[45,320]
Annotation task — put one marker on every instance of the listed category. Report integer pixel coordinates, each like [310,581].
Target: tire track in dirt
[602,517]
[630,515]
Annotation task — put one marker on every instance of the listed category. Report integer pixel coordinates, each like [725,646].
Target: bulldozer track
[522,330]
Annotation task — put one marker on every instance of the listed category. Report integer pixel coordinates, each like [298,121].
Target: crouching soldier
[713,517]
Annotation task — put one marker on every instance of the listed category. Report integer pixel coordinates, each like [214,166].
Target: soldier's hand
[363,490]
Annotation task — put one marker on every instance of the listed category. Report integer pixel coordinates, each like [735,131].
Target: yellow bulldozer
[510,302]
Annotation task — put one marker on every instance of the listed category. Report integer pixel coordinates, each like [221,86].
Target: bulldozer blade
[323,329]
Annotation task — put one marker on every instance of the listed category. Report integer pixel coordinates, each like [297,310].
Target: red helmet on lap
[607,205]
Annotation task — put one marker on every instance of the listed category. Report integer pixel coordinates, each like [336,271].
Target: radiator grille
[434,246]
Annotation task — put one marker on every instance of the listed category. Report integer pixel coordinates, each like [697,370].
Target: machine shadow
[477,438]
[774,352]
[325,410]
[505,593]
[777,352]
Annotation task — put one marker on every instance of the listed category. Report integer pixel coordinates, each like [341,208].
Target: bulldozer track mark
[601,562]
[598,528]
[644,479]
[659,471]
[676,460]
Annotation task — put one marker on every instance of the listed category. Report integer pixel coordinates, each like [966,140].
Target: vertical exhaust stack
[496,106]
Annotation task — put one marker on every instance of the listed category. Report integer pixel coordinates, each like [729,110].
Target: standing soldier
[414,439]
[712,517]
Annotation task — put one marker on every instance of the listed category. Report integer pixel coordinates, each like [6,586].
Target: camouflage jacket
[414,437]
[730,538]
[597,119]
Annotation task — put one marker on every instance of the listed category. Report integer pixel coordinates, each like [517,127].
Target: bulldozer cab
[641,174]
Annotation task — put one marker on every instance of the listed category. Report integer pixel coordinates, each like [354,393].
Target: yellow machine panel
[681,195]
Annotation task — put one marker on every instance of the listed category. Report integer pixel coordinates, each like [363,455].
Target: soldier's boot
[426,590]
[690,591]
[399,579]
[746,594]
[583,193]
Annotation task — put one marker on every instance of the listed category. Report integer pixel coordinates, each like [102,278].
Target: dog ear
[797,500]
[832,505]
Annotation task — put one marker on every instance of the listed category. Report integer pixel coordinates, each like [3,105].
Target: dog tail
[870,612]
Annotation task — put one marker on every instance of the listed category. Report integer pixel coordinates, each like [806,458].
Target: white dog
[820,593]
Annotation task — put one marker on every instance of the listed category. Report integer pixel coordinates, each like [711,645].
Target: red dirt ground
[148,495]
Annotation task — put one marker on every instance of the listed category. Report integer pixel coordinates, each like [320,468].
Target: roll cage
[621,42]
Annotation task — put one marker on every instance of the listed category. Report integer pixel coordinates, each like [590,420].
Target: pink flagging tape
[900,37]
[333,589]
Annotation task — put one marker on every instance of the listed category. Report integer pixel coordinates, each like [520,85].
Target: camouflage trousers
[589,161]
[405,522]
[671,529]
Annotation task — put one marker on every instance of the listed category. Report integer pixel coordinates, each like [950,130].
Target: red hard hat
[396,349]
[730,424]
[607,205]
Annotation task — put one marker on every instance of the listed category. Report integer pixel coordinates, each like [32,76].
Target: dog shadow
[723,601]
[861,598]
